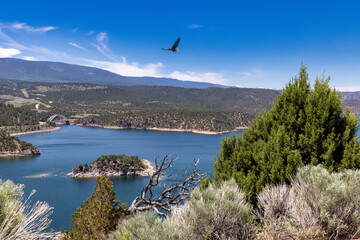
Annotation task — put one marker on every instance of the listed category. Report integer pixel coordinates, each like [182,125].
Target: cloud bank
[128,69]
[154,70]
[8,52]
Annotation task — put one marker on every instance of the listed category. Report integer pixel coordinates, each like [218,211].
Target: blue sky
[238,43]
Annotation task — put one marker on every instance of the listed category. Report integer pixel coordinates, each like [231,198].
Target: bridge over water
[59,116]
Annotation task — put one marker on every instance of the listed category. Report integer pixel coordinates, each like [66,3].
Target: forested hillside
[211,109]
[13,116]
[202,120]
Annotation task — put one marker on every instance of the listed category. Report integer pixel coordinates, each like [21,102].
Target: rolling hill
[41,71]
[143,107]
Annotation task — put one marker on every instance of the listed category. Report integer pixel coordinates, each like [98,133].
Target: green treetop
[304,127]
[99,215]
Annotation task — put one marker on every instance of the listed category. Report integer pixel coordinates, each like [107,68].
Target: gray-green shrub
[146,225]
[19,220]
[211,213]
[318,205]
[216,213]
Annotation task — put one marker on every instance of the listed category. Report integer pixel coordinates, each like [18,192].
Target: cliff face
[12,146]
[113,165]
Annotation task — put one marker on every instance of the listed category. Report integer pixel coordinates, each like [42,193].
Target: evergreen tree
[304,127]
[98,215]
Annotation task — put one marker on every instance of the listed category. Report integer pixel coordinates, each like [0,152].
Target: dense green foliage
[98,215]
[13,116]
[111,162]
[20,119]
[212,213]
[305,126]
[232,99]
[9,144]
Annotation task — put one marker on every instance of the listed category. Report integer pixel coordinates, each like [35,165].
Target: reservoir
[70,146]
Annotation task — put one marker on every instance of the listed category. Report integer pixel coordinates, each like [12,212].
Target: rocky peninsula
[113,165]
[12,146]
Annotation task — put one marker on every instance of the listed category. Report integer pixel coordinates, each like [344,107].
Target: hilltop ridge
[55,72]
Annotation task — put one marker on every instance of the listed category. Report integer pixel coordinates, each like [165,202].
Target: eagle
[174,47]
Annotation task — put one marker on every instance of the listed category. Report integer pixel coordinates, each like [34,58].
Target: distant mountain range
[352,101]
[41,71]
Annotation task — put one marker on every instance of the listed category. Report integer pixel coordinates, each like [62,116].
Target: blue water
[69,146]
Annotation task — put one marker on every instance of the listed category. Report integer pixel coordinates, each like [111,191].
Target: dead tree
[178,191]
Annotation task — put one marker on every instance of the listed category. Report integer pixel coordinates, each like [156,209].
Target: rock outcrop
[12,146]
[113,165]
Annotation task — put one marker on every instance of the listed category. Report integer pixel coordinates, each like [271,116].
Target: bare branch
[178,191]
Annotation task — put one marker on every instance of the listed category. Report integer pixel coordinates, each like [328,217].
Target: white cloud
[154,70]
[194,26]
[208,77]
[75,30]
[348,88]
[253,74]
[76,45]
[36,49]
[8,52]
[10,41]
[102,39]
[90,33]
[24,26]
[47,51]
[29,58]
[128,69]
[107,53]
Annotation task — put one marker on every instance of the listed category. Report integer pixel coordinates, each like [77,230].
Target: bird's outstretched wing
[176,44]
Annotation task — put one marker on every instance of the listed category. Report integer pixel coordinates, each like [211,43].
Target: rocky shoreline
[12,146]
[126,171]
[163,129]
[26,153]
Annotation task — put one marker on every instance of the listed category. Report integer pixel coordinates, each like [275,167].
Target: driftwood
[179,190]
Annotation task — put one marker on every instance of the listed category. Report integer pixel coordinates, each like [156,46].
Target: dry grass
[24,221]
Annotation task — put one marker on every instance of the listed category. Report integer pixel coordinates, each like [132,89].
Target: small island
[113,165]
[12,146]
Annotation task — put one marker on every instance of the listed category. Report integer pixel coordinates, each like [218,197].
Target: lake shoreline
[33,132]
[17,155]
[165,129]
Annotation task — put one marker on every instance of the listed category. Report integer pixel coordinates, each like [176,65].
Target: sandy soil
[40,175]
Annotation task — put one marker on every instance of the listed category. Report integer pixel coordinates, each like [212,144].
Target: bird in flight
[174,47]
